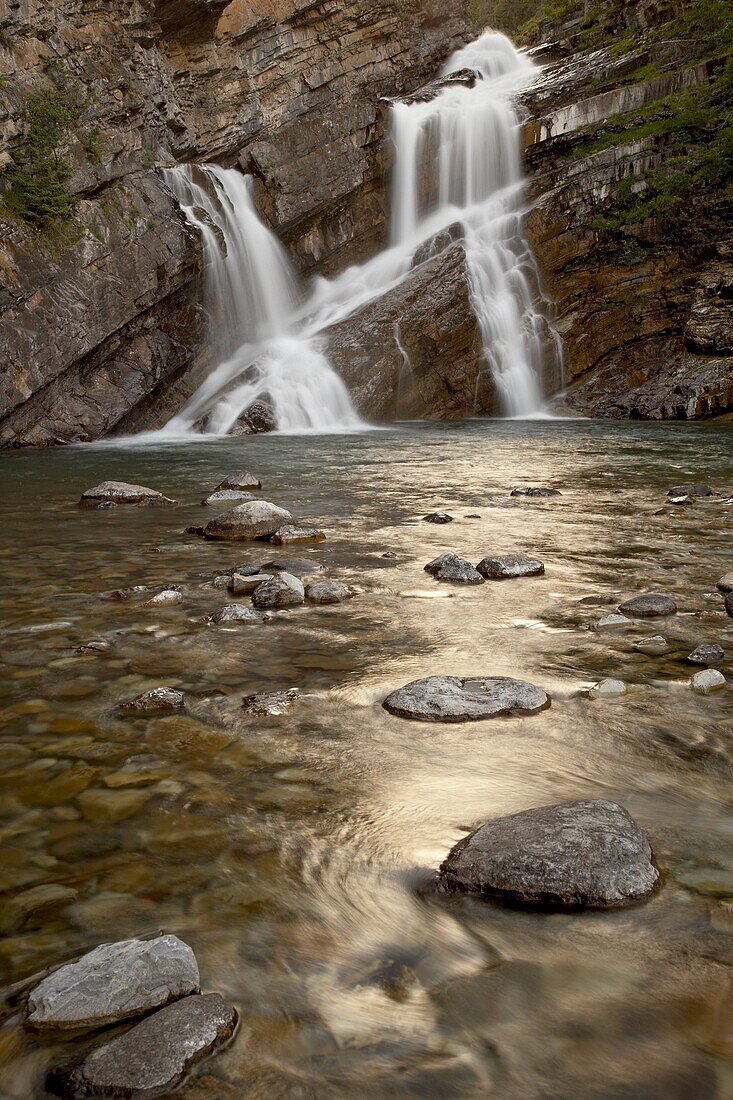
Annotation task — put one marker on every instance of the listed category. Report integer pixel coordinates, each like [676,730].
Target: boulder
[610,622]
[282,590]
[244,481]
[151,702]
[607,689]
[120,492]
[242,586]
[154,1056]
[227,496]
[324,591]
[725,584]
[438,517]
[465,699]
[258,418]
[704,683]
[256,519]
[290,533]
[501,566]
[728,604]
[270,703]
[654,646]
[297,566]
[649,606]
[169,597]
[535,491]
[235,613]
[690,491]
[114,982]
[449,567]
[588,854]
[711,654]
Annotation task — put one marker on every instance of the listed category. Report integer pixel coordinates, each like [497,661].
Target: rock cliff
[99,299]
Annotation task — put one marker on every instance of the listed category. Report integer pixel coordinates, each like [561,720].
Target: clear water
[296,854]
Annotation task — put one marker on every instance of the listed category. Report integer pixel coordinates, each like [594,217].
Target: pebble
[708,681]
[607,689]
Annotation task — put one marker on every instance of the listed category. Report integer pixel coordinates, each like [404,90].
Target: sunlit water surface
[296,854]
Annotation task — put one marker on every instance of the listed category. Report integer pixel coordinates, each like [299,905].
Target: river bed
[296,853]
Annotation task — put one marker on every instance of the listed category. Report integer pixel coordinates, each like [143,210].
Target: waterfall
[458,158]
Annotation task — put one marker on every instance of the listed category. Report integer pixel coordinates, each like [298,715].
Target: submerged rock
[728,604]
[113,982]
[236,613]
[501,566]
[154,1056]
[169,597]
[270,703]
[690,491]
[607,689]
[239,482]
[610,622]
[194,529]
[535,491]
[649,606]
[290,533]
[711,654]
[449,567]
[256,519]
[120,492]
[325,592]
[707,681]
[158,699]
[283,590]
[464,699]
[297,566]
[438,517]
[588,854]
[725,584]
[227,496]
[654,646]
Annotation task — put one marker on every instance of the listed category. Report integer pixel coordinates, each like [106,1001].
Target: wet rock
[449,567]
[708,681]
[326,592]
[297,566]
[246,570]
[690,491]
[680,500]
[607,689]
[725,584]
[154,1056]
[389,554]
[649,605]
[110,807]
[283,590]
[654,646]
[270,703]
[235,613]
[169,597]
[610,622]
[259,417]
[96,645]
[239,482]
[535,491]
[242,586]
[194,530]
[438,517]
[463,699]
[728,604]
[154,701]
[256,519]
[588,854]
[227,496]
[222,581]
[120,492]
[290,533]
[706,654]
[39,899]
[500,566]
[113,982]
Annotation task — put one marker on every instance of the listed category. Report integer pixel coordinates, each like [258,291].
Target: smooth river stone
[327,592]
[649,605]
[708,681]
[465,699]
[588,854]
[113,982]
[120,492]
[256,519]
[725,584]
[154,1056]
[690,491]
[503,566]
[282,590]
[449,567]
[607,689]
[290,533]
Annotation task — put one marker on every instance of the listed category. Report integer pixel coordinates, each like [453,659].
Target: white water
[457,158]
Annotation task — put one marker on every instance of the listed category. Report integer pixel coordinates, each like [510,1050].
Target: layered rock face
[99,312]
[641,271]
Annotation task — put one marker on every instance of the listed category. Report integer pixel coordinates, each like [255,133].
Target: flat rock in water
[113,982]
[325,592]
[690,491]
[282,590]
[725,584]
[270,703]
[290,533]
[256,519]
[240,585]
[607,689]
[707,655]
[503,566]
[449,567]
[438,517]
[708,681]
[654,646]
[227,496]
[535,491]
[154,701]
[576,855]
[120,492]
[649,605]
[235,613]
[465,699]
[154,1056]
[299,567]
[239,482]
[610,622]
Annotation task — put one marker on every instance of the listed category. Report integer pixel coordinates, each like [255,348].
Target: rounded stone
[151,702]
[327,592]
[449,567]
[607,689]
[169,597]
[227,496]
[504,566]
[690,491]
[708,681]
[649,605]
[236,613]
[465,699]
[707,655]
[585,854]
[254,520]
[654,646]
[282,590]
[610,622]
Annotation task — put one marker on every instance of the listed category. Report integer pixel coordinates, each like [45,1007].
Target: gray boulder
[465,699]
[227,496]
[120,492]
[113,982]
[438,517]
[535,491]
[610,622]
[707,655]
[290,533]
[708,681]
[154,1056]
[154,701]
[256,519]
[270,703]
[690,491]
[282,590]
[449,567]
[654,646]
[326,592]
[575,855]
[649,606]
[236,613]
[502,566]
